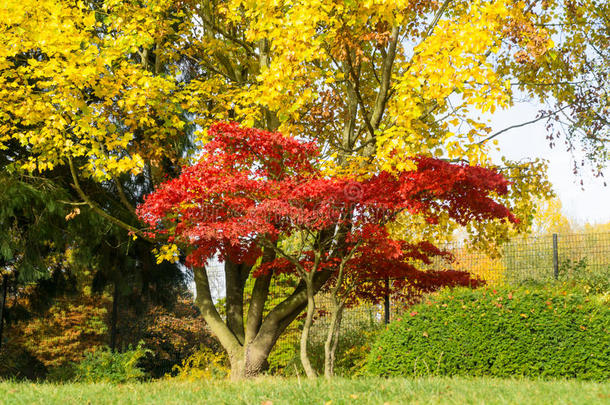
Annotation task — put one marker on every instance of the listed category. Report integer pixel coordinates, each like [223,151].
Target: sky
[588,205]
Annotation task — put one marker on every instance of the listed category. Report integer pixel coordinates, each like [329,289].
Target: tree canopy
[118,95]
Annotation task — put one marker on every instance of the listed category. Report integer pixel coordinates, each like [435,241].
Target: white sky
[590,205]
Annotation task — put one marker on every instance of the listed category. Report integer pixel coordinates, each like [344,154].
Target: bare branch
[544,116]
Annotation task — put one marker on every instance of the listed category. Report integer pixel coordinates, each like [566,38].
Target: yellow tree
[112,89]
[549,219]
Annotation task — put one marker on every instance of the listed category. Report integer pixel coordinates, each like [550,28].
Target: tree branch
[356,81]
[437,18]
[122,196]
[386,75]
[210,314]
[520,125]
[99,209]
[249,49]
[260,292]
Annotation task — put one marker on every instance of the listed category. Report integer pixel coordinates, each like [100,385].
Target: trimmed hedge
[543,332]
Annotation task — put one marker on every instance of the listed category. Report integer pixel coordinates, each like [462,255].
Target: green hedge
[542,332]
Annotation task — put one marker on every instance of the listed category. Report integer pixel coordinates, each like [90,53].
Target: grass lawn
[268,391]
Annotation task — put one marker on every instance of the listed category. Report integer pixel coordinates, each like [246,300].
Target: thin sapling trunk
[332,338]
[309,371]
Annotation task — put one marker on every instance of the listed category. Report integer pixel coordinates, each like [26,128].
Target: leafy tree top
[253,188]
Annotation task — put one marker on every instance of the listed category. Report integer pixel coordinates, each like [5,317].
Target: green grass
[275,391]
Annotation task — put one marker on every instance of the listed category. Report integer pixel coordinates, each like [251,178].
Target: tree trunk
[311,373]
[234,304]
[332,339]
[4,293]
[114,317]
[237,361]
[250,359]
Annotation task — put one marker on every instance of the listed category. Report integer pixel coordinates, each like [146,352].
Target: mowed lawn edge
[267,391]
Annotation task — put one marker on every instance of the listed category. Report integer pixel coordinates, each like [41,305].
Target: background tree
[108,86]
[571,79]
[31,238]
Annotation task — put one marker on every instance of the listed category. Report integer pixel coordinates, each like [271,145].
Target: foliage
[288,72]
[170,335]
[109,95]
[95,204]
[589,278]
[115,88]
[549,218]
[102,365]
[481,264]
[545,332]
[207,216]
[66,332]
[30,218]
[271,185]
[16,363]
[284,358]
[71,75]
[353,347]
[577,70]
[252,189]
[491,266]
[203,364]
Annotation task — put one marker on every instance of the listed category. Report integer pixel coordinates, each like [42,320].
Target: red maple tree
[259,201]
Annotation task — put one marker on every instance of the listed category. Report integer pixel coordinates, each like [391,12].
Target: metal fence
[525,259]
[539,258]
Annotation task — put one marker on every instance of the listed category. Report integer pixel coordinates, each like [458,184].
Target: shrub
[592,279]
[203,364]
[545,332]
[71,327]
[104,366]
[171,334]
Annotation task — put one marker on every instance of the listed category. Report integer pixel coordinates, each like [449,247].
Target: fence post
[386,302]
[555,257]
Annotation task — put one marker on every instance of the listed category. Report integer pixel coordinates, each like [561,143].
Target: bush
[592,279]
[59,336]
[203,364]
[545,332]
[104,366]
[171,334]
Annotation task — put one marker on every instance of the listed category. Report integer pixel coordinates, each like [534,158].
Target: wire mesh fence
[527,259]
[538,258]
